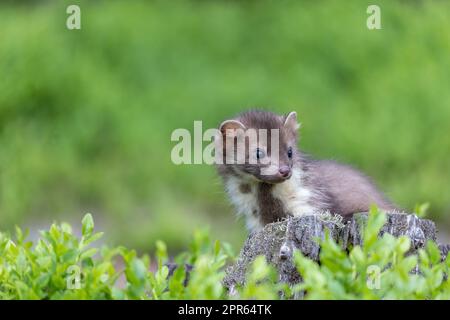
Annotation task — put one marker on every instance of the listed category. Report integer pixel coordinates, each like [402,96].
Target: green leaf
[161,252]
[89,239]
[421,210]
[70,256]
[216,248]
[376,220]
[403,244]
[87,225]
[433,252]
[88,253]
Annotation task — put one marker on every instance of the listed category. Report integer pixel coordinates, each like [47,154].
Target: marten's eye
[260,153]
[290,152]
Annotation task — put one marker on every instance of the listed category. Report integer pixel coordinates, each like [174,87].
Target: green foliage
[48,269]
[261,282]
[379,269]
[61,265]
[86,115]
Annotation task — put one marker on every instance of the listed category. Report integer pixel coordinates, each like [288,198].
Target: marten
[296,184]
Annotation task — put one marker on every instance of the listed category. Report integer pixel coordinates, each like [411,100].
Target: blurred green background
[86,115]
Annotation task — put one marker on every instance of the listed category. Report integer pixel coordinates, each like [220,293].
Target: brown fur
[270,208]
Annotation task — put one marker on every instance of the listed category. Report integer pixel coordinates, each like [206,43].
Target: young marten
[296,184]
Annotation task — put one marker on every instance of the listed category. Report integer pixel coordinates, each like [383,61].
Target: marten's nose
[285,171]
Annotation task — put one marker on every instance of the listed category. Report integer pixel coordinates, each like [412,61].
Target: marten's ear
[290,121]
[229,127]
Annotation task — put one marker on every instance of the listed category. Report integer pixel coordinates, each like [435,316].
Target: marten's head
[260,145]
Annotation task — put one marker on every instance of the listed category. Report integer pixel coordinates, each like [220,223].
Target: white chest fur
[246,203]
[294,196]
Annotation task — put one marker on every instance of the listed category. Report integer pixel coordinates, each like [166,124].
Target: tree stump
[277,241]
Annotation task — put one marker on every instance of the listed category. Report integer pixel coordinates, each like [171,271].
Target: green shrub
[49,268]
[379,269]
